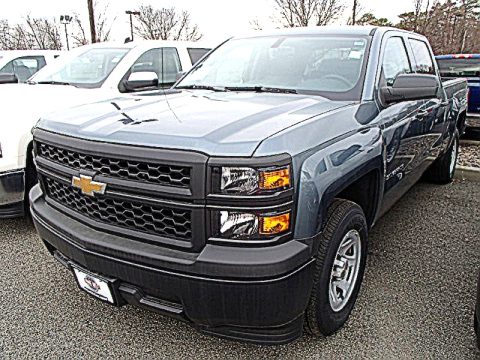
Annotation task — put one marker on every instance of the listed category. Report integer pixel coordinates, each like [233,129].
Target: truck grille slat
[151,219]
[161,174]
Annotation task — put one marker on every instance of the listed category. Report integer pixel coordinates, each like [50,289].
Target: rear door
[435,110]
[402,124]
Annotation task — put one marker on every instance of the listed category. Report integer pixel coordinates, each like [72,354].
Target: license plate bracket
[95,285]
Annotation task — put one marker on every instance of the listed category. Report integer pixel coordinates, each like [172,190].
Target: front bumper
[12,192]
[473,121]
[257,295]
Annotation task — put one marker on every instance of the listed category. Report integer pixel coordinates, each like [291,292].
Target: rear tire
[330,305]
[442,170]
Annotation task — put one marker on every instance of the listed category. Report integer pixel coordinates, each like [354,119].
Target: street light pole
[131,13]
[65,20]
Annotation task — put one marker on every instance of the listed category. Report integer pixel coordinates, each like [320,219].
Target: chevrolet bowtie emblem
[88,186]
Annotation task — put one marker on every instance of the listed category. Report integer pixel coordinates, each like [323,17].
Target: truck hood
[215,123]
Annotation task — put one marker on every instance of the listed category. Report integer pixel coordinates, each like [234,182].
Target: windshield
[324,65]
[88,68]
[459,67]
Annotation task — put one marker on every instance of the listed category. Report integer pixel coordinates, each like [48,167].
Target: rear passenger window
[423,59]
[395,60]
[196,54]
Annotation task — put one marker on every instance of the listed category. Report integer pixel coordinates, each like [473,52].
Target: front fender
[331,168]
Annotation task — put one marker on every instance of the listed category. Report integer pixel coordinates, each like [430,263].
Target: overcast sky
[217,19]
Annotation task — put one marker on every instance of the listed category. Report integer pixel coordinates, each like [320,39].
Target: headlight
[241,225]
[249,181]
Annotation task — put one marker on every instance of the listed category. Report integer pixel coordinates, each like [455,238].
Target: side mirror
[8,79]
[141,80]
[408,87]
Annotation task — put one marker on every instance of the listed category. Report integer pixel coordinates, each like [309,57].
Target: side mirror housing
[141,80]
[407,87]
[8,79]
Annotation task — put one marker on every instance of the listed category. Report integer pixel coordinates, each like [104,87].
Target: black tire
[441,172]
[343,216]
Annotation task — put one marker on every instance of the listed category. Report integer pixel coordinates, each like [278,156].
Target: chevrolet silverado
[240,200]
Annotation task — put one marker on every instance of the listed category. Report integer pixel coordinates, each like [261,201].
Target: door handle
[422,114]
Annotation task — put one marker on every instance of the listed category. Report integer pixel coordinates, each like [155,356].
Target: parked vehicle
[19,65]
[465,66]
[87,74]
[241,200]
[476,320]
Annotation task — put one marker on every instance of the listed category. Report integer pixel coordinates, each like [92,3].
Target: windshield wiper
[202,87]
[263,89]
[53,82]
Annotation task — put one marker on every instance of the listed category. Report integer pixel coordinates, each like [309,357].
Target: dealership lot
[417,299]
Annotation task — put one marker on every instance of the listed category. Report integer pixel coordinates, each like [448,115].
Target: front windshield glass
[88,68]
[330,66]
[459,67]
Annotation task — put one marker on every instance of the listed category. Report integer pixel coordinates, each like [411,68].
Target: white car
[88,74]
[20,65]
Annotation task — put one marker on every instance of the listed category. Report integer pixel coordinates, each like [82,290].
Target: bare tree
[293,13]
[5,40]
[165,24]
[33,33]
[328,10]
[296,12]
[255,24]
[451,26]
[45,33]
[103,27]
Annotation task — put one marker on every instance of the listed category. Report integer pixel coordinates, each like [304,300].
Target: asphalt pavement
[416,302]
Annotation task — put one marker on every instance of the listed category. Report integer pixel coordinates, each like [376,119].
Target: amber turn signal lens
[276,179]
[272,225]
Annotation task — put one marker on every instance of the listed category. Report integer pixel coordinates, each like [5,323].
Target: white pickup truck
[88,74]
[19,65]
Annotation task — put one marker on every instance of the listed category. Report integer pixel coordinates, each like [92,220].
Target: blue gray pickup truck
[240,200]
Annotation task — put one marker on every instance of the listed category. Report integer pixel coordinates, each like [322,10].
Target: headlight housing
[260,227]
[251,181]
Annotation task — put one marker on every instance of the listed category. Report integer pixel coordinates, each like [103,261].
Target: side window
[24,67]
[196,54]
[423,59]
[166,68]
[395,60]
[8,68]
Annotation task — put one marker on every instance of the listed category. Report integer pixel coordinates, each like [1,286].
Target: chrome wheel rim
[453,158]
[345,270]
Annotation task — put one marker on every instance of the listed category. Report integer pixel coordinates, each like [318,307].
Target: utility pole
[91,16]
[131,13]
[65,20]
[354,15]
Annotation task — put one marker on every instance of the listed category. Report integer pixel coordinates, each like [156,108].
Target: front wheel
[339,268]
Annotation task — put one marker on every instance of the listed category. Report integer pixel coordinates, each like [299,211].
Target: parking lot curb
[467,173]
[470,142]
